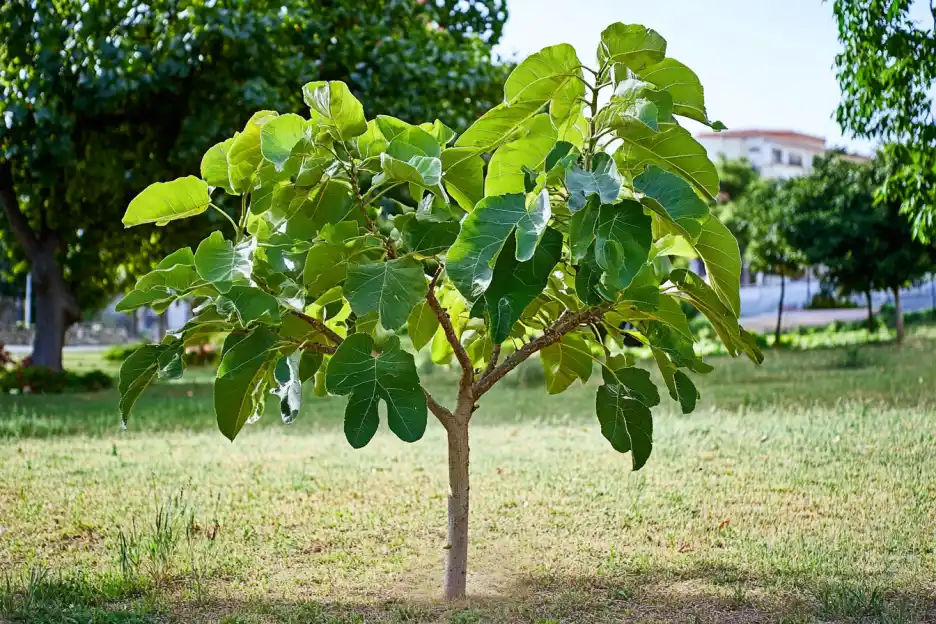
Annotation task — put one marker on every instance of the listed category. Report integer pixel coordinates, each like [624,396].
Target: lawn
[799,491]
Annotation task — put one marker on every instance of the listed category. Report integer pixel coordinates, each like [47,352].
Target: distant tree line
[836,218]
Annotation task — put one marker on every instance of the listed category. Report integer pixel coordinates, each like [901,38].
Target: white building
[780,154]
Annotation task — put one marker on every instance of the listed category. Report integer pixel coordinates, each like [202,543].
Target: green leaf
[219,262]
[635,381]
[309,364]
[686,391]
[163,202]
[515,285]
[439,131]
[310,211]
[414,141]
[372,143]
[423,171]
[243,377]
[391,127]
[673,149]
[565,361]
[214,166]
[679,348]
[704,298]
[390,376]
[244,156]
[554,73]
[463,174]
[583,228]
[250,304]
[175,273]
[530,149]
[169,363]
[136,373]
[139,298]
[603,180]
[422,325]
[531,226]
[470,260]
[631,45]
[328,261]
[498,124]
[289,386]
[683,85]
[333,106]
[390,288]
[279,135]
[718,249]
[681,206]
[625,422]
[588,279]
[426,235]
[622,242]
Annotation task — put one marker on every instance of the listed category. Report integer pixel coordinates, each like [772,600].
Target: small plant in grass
[547,227]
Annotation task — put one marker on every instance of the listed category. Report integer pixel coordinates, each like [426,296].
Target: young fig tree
[547,227]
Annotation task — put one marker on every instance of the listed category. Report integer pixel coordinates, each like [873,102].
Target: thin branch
[319,326]
[446,323]
[495,355]
[440,411]
[384,191]
[553,334]
[18,222]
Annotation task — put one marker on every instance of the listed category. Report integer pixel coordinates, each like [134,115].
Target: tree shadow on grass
[706,592]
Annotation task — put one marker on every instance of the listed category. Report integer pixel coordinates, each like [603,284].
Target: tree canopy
[886,71]
[863,244]
[101,97]
[522,235]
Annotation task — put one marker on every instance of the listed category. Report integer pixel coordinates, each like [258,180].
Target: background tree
[886,71]
[735,179]
[102,97]
[523,237]
[765,211]
[863,244]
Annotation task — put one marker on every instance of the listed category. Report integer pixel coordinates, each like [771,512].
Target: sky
[764,64]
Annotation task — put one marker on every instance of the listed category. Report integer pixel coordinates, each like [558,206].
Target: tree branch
[18,223]
[495,355]
[319,326]
[446,323]
[441,412]
[553,334]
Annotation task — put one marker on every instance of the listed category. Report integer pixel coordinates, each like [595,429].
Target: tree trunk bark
[899,314]
[56,309]
[456,559]
[870,312]
[780,312]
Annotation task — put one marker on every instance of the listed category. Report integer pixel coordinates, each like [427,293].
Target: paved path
[26,349]
[803,318]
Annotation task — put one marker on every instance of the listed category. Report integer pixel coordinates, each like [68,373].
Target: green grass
[800,491]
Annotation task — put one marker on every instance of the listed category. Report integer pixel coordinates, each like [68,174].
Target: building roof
[788,135]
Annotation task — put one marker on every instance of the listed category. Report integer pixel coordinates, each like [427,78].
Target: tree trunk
[780,312]
[162,326]
[870,312]
[899,314]
[56,309]
[456,559]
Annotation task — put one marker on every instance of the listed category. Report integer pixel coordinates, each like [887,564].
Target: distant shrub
[40,380]
[826,301]
[119,353]
[6,358]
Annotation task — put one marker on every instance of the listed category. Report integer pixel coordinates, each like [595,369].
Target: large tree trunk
[780,312]
[870,312]
[456,559]
[899,313]
[56,308]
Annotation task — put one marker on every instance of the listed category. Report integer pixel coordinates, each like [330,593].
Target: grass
[799,491]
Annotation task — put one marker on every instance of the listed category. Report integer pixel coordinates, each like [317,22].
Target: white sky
[764,63]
